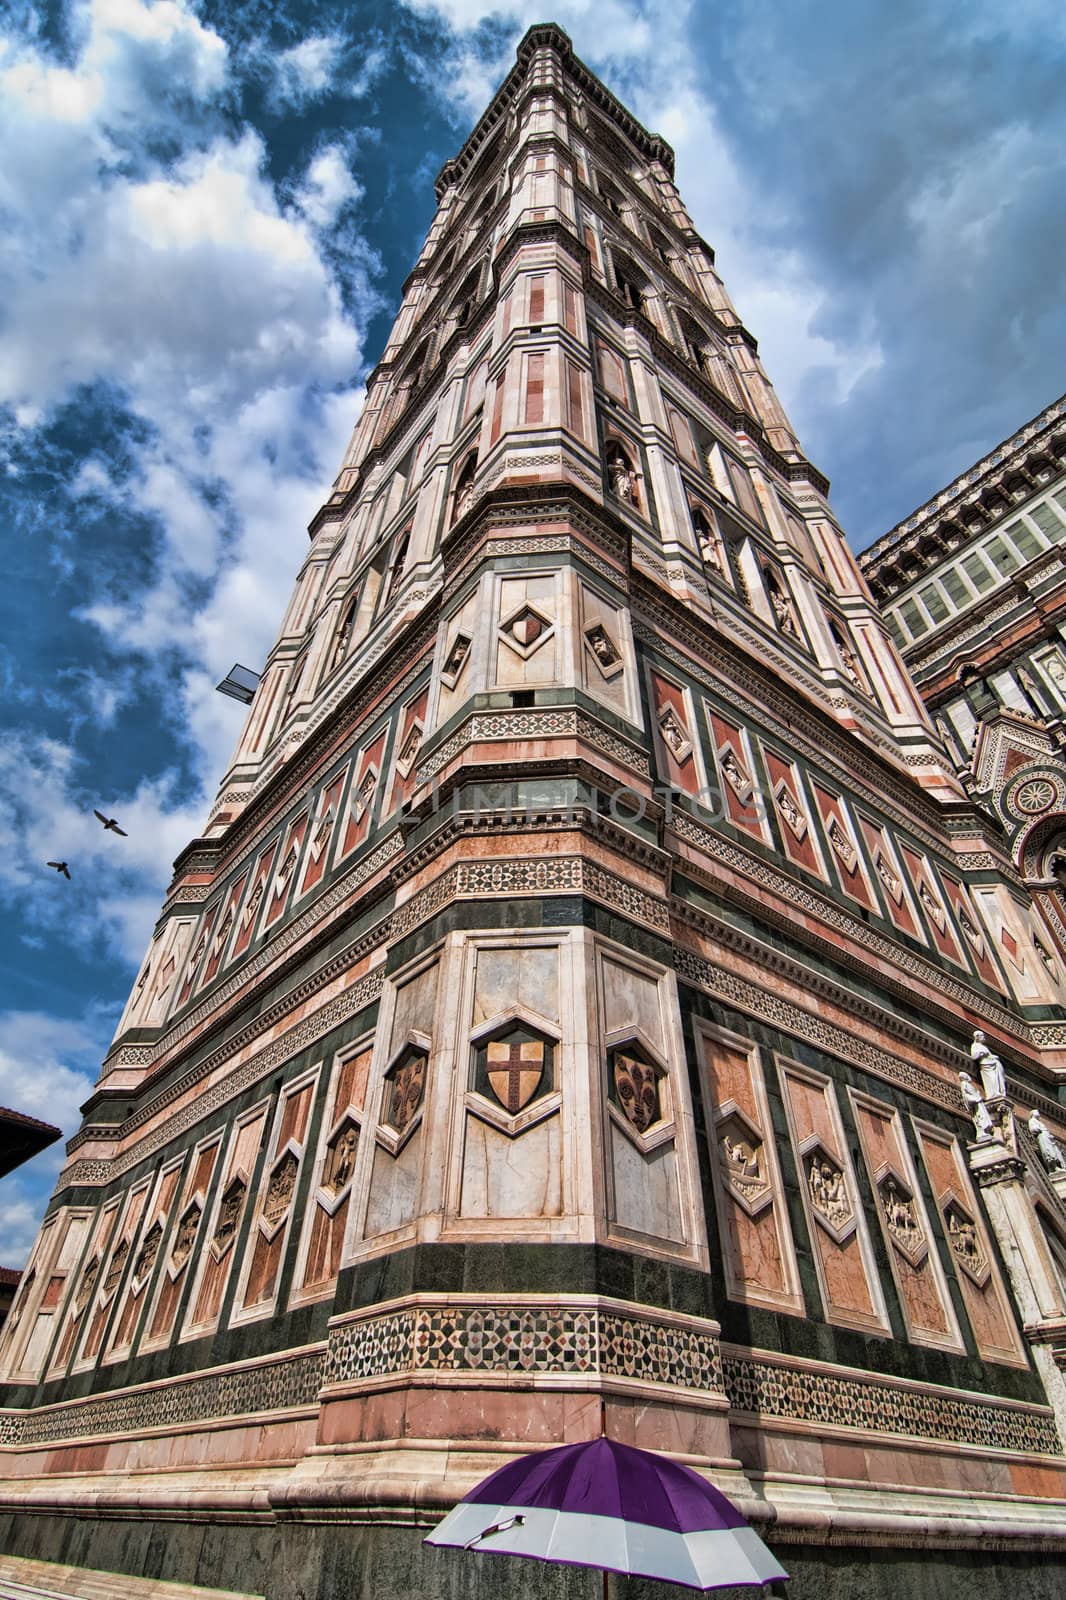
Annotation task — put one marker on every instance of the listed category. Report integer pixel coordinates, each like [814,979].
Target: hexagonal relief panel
[743,1161]
[514,1066]
[827,1190]
[965,1242]
[901,1216]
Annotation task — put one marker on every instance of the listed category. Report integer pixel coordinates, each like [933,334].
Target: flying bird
[110,825]
[60,866]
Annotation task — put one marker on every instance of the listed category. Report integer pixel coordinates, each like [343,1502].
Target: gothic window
[632,288]
[464,487]
[611,197]
[661,248]
[399,557]
[345,628]
[465,303]
[447,262]
[622,475]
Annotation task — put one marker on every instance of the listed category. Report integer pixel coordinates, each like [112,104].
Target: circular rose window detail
[1035,796]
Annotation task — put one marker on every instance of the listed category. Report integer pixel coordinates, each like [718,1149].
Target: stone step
[22,1579]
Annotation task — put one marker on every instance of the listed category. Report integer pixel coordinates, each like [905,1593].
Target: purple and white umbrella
[602,1504]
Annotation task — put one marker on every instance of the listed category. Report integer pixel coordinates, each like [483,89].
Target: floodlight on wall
[240,683]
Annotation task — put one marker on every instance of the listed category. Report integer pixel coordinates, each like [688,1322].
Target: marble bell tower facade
[564,1007]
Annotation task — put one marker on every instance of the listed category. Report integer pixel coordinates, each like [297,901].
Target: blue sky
[208,211]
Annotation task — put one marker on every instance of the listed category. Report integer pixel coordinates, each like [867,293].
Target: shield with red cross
[515,1068]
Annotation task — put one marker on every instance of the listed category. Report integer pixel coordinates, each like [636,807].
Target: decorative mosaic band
[541,1339]
[533,875]
[801,1394]
[245,1391]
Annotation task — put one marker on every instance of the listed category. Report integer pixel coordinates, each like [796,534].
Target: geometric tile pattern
[764,1389]
[545,1338]
[246,1391]
[538,1338]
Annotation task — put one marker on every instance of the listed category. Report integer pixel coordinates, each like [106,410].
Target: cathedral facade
[562,1014]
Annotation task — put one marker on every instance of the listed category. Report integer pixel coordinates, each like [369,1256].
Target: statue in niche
[973,1100]
[990,1067]
[620,475]
[1047,1145]
[932,905]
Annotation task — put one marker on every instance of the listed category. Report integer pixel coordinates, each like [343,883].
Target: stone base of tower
[347,1557]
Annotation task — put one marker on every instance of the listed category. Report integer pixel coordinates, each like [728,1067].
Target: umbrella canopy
[602,1504]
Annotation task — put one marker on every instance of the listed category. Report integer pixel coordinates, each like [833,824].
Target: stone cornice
[990,472]
[549,36]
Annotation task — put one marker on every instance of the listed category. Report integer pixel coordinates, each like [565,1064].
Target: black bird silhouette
[60,866]
[110,825]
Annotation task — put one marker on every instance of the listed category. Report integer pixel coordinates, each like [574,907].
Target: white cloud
[47,1070]
[327,187]
[307,69]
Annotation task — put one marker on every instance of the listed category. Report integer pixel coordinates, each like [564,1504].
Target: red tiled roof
[23,1121]
[9,1277]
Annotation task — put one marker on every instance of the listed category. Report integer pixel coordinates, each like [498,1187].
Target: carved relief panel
[931,900]
[460,665]
[286,863]
[104,1308]
[758,1253]
[843,1257]
[648,1149]
[31,1327]
[217,1245]
[680,759]
[983,1291]
[741,800]
[253,901]
[904,1223]
[845,851]
[180,1247]
[268,1239]
[82,1306]
[792,807]
[147,1252]
[890,879]
[403,1086]
[604,644]
[329,1202]
[528,612]
[410,732]
[323,834]
[506,1174]
[223,931]
[364,796]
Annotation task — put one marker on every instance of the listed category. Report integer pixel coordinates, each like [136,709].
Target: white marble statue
[1050,1149]
[990,1067]
[973,1100]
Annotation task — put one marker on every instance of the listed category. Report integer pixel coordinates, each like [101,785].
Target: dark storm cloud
[914,155]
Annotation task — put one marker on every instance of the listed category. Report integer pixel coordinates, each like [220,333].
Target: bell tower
[561,1013]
